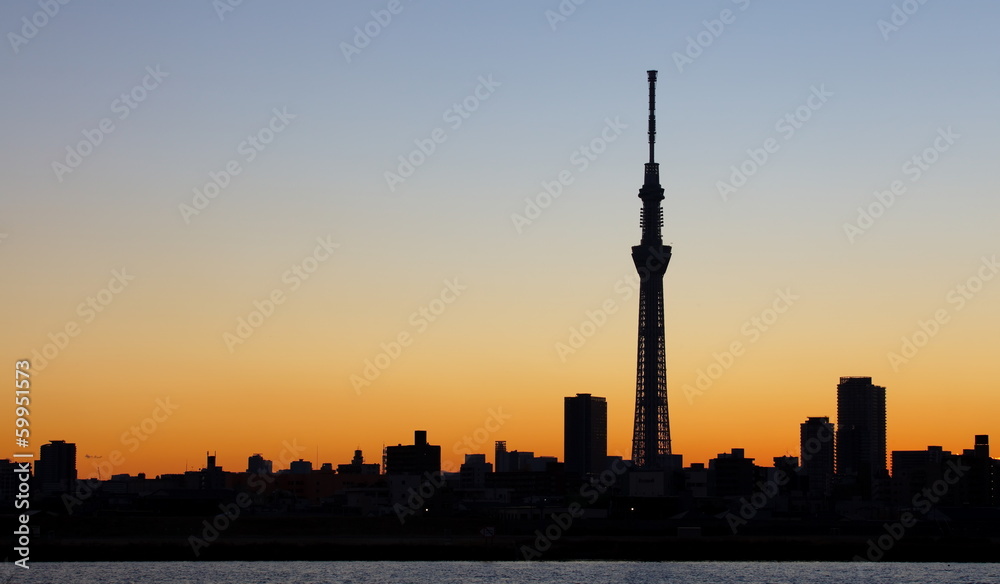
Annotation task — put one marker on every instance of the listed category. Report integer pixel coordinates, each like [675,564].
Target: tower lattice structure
[651,434]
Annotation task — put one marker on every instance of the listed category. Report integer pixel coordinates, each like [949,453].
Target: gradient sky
[889,94]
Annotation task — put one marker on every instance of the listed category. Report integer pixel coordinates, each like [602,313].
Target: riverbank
[440,548]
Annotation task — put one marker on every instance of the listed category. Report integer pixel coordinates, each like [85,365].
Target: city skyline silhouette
[256,231]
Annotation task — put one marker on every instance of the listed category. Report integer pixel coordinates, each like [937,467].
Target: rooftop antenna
[652,112]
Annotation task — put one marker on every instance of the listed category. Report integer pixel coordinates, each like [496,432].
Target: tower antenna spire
[652,113]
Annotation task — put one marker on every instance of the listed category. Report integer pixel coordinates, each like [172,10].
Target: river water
[501,572]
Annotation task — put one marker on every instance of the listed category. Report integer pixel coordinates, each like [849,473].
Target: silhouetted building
[530,487]
[651,433]
[500,456]
[696,481]
[418,458]
[666,479]
[982,446]
[732,474]
[860,447]
[912,470]
[358,466]
[787,464]
[521,461]
[300,466]
[980,487]
[935,475]
[257,464]
[585,439]
[8,483]
[212,477]
[544,464]
[787,475]
[472,473]
[816,440]
[55,470]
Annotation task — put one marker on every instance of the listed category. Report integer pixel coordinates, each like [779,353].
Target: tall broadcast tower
[651,435]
